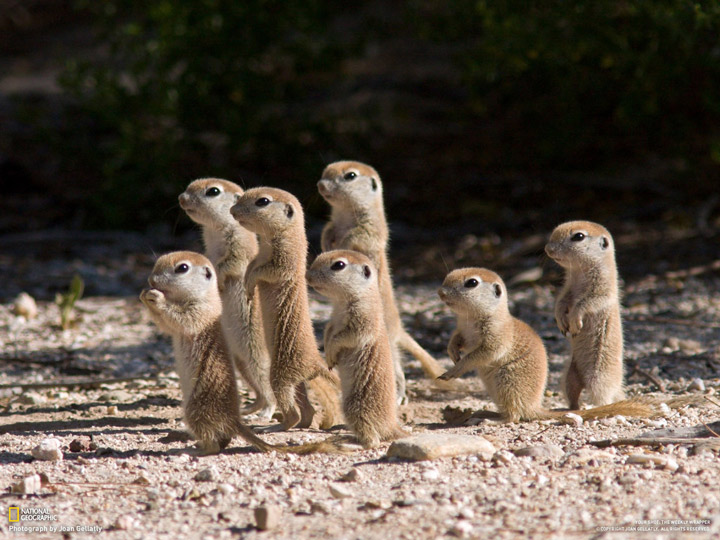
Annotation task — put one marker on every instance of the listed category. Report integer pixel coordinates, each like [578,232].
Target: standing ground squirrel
[278,271]
[230,248]
[588,308]
[507,353]
[357,222]
[184,302]
[356,342]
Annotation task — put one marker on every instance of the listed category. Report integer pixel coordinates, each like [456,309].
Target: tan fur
[187,306]
[357,222]
[278,271]
[508,354]
[588,309]
[357,343]
[230,248]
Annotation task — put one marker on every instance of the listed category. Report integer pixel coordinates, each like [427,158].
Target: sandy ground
[134,474]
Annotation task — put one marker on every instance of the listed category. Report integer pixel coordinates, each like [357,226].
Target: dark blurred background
[486,120]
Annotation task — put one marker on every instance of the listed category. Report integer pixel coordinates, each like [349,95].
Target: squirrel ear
[498,289]
[289,210]
[208,273]
[367,272]
[604,242]
[374,183]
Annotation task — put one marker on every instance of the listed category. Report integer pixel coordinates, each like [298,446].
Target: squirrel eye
[212,192]
[471,283]
[338,265]
[578,237]
[181,268]
[350,175]
[262,201]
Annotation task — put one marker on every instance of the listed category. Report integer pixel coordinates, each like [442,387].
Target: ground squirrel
[356,342]
[230,248]
[278,271]
[357,222]
[507,353]
[588,308]
[184,301]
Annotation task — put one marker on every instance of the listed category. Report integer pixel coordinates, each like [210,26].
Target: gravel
[129,470]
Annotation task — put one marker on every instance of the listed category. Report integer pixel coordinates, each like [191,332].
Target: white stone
[48,450]
[697,385]
[339,492]
[28,485]
[434,445]
[462,529]
[503,456]
[431,474]
[267,517]
[572,419]
[546,451]
[25,306]
[207,475]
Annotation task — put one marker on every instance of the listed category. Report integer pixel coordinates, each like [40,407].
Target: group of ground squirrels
[245,304]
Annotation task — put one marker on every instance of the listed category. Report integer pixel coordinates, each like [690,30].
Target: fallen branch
[650,377]
[642,441]
[691,435]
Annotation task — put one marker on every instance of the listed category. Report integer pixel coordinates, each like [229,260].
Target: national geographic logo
[42,520]
[15,514]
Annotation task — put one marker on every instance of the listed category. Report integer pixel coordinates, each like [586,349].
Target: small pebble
[207,475]
[25,306]
[28,485]
[462,529]
[112,410]
[697,385]
[546,451]
[319,508]
[226,489]
[353,475]
[431,474]
[124,523]
[339,492]
[81,444]
[572,419]
[48,450]
[267,517]
[503,456]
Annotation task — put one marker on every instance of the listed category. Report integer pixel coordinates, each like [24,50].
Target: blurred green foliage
[190,88]
[193,87]
[578,84]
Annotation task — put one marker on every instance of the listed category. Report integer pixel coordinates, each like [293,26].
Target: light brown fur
[508,354]
[278,271]
[230,248]
[184,302]
[356,342]
[588,309]
[358,223]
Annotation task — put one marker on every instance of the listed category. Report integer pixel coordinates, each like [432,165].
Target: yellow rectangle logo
[10,514]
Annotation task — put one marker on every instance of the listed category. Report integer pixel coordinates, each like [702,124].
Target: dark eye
[262,201]
[471,283]
[578,237]
[350,175]
[181,268]
[337,266]
[212,192]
